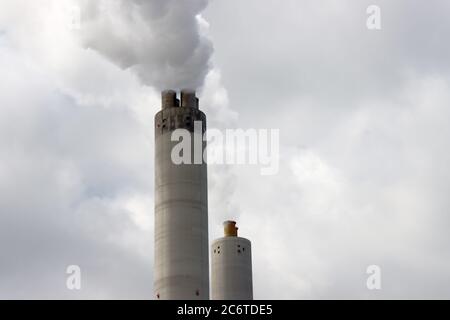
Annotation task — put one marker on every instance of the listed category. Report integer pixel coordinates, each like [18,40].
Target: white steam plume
[160,40]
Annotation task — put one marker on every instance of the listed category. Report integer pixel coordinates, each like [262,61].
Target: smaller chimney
[231,266]
[230,229]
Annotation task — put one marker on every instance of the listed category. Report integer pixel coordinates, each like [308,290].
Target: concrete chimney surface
[181,270]
[231,266]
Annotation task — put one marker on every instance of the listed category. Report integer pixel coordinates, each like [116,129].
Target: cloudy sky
[364,120]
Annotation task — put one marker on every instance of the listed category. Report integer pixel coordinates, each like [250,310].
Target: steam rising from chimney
[160,40]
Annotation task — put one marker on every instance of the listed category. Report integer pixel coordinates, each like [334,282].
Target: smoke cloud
[161,41]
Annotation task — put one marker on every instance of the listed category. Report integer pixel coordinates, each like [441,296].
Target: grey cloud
[363,119]
[324,52]
[70,177]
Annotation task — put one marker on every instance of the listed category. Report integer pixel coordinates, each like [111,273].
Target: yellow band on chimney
[230,229]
